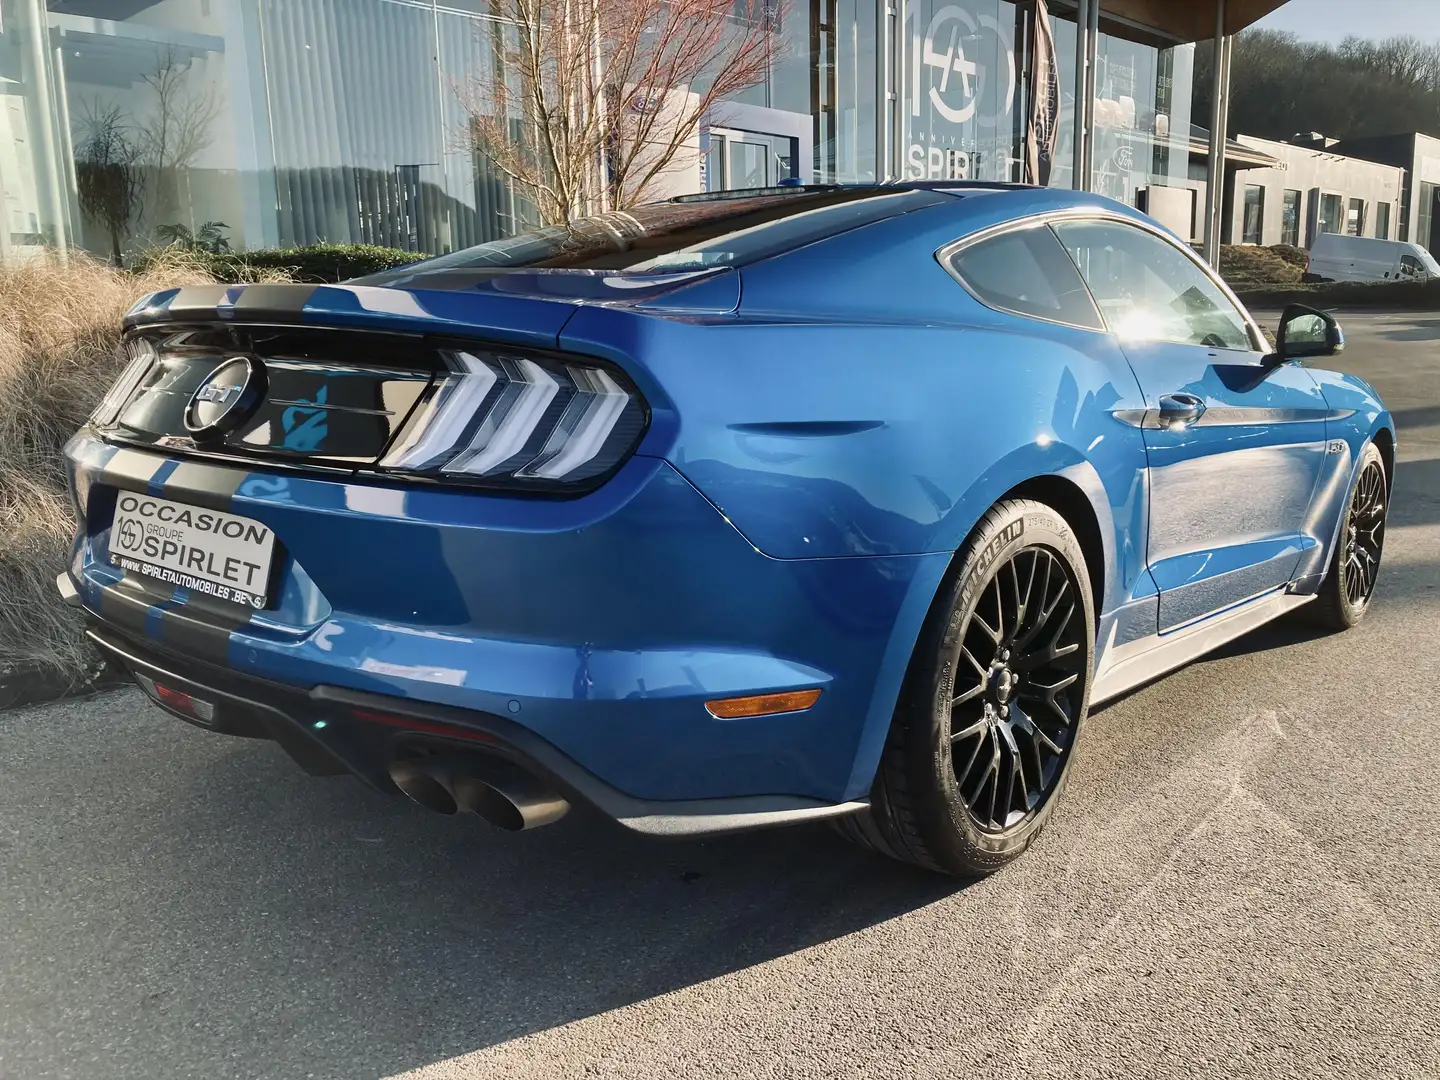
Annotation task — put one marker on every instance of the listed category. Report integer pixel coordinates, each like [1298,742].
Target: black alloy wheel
[1364,537]
[1349,584]
[1018,689]
[981,744]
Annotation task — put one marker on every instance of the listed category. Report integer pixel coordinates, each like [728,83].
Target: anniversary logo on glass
[226,398]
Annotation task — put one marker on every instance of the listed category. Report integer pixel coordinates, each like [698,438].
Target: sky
[1332,20]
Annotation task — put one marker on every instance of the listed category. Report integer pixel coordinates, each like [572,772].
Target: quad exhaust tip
[503,794]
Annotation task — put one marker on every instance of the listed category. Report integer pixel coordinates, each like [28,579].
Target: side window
[1150,290]
[1409,265]
[1026,271]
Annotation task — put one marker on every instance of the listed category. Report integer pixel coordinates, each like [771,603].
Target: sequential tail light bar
[520,420]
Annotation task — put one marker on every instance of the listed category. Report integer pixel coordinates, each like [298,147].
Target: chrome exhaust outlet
[421,782]
[503,794]
[509,798]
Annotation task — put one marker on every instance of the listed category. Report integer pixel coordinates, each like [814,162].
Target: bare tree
[596,102]
[109,180]
[178,128]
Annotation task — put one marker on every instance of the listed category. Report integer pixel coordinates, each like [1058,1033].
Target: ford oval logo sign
[226,398]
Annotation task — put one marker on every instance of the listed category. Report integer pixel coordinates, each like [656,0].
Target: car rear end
[395,524]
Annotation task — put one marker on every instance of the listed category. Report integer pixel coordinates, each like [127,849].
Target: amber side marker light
[737,708]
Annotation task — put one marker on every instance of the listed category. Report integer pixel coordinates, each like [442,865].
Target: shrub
[1295,256]
[1245,264]
[315,263]
[59,338]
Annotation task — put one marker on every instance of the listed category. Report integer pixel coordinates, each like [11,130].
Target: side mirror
[1305,332]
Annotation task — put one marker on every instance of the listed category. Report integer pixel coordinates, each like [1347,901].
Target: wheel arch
[1384,440]
[1072,488]
[1069,500]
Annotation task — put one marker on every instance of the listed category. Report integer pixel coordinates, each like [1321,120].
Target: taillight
[520,420]
[142,358]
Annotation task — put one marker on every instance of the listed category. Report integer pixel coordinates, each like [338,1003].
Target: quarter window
[1027,272]
[1149,290]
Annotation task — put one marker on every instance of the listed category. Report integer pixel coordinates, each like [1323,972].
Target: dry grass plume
[59,352]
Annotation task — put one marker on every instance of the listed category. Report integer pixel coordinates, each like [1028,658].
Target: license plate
[207,551]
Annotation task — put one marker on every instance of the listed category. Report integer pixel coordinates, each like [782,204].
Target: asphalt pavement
[1243,880]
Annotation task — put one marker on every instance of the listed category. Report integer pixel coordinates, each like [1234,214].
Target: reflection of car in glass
[730,511]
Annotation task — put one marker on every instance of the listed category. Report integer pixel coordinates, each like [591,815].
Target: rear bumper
[330,730]
[598,626]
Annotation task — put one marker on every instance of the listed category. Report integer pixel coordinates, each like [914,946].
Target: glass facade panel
[1142,95]
[962,103]
[258,123]
[37,195]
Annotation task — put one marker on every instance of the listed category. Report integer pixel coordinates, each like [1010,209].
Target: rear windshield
[691,233]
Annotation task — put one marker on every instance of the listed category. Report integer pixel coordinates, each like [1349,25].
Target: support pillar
[1219,122]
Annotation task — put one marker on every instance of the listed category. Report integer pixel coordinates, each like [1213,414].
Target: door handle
[1180,410]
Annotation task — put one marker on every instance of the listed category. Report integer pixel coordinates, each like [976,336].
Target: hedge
[315,263]
[1412,295]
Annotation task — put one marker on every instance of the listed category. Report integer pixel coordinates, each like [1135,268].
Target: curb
[36,685]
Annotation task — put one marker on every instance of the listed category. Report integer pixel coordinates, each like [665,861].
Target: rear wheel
[1355,563]
[981,744]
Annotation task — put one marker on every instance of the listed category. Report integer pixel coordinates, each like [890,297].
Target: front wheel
[1355,562]
[981,743]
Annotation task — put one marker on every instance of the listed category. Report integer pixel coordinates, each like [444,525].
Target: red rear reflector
[184,703]
[762,704]
[407,724]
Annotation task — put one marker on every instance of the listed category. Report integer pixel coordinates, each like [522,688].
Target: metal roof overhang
[1237,154]
[1178,21]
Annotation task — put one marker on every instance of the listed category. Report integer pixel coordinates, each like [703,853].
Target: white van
[1338,257]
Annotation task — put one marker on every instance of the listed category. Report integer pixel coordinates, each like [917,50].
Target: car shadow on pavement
[1413,330]
[1416,498]
[370,936]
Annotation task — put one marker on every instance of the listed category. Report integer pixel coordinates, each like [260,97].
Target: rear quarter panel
[862,403]
[1366,416]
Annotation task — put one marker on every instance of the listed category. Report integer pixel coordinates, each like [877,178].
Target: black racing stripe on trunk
[130,603]
[204,485]
[197,302]
[204,634]
[284,303]
[131,469]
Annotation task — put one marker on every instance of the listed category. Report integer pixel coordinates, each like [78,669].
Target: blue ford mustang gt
[728,511]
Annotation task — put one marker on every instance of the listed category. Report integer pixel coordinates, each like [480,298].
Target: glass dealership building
[297,121]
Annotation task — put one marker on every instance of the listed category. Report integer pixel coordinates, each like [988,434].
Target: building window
[1355,218]
[1254,214]
[1423,219]
[1290,219]
[1329,213]
[1382,220]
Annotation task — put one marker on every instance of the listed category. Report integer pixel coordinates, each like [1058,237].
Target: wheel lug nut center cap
[1004,685]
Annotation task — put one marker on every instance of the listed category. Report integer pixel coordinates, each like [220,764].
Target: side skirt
[1137,662]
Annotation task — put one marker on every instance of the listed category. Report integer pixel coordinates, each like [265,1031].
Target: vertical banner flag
[1042,133]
